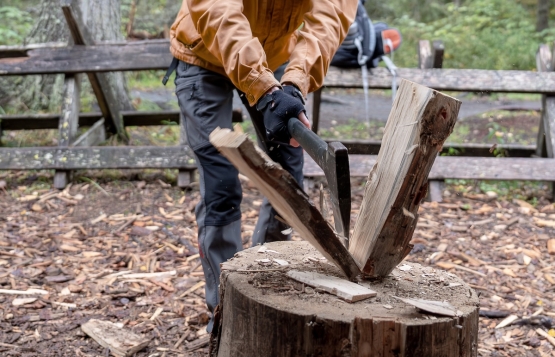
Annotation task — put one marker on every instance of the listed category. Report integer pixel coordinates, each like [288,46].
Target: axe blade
[333,159]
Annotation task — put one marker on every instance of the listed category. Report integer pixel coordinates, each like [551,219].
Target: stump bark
[262,312]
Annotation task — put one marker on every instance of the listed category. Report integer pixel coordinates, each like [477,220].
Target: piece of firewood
[121,342]
[285,195]
[344,289]
[419,123]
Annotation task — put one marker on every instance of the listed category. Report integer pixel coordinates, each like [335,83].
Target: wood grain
[419,124]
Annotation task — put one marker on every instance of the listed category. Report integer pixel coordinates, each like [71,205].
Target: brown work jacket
[246,40]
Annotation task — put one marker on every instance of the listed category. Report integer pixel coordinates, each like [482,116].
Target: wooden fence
[526,162]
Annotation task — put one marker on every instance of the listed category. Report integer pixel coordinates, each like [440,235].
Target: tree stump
[263,312]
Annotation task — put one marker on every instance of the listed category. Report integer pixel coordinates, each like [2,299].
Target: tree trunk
[38,93]
[542,15]
[263,312]
[103,19]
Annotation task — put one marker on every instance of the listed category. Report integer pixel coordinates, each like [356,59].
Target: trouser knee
[220,188]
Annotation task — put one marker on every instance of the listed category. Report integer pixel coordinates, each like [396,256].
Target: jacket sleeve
[226,33]
[324,28]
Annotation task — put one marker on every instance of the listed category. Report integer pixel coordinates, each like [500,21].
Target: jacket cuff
[259,86]
[298,78]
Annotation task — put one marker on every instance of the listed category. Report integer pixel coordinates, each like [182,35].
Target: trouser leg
[268,228]
[205,99]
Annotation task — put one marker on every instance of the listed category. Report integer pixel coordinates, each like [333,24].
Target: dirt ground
[80,246]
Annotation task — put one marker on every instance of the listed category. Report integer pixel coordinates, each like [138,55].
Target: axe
[333,159]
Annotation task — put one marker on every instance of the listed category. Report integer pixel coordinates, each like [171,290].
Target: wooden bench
[154,55]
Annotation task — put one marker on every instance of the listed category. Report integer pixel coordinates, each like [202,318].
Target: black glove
[277,108]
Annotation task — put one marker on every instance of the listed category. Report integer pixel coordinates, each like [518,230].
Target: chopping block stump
[263,312]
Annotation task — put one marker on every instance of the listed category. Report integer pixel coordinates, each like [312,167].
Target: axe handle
[311,143]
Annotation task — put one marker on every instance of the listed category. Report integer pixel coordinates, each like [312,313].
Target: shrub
[486,34]
[14,25]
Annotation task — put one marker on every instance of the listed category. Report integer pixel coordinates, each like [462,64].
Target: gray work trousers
[205,99]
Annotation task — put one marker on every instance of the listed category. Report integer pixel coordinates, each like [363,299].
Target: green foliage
[482,34]
[523,190]
[419,10]
[14,25]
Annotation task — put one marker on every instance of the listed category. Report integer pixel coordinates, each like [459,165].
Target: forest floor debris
[131,258]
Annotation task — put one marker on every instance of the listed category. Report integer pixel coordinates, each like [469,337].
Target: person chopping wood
[273,52]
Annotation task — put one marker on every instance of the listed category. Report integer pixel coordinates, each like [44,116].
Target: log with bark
[419,123]
[264,312]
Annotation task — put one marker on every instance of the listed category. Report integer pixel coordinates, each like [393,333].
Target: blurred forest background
[479,34]
[489,34]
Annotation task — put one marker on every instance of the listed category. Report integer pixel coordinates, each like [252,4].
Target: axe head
[333,159]
[336,169]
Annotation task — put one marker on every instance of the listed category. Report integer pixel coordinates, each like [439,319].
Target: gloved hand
[277,108]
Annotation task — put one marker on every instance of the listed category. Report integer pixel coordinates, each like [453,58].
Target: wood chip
[281,262]
[507,321]
[121,342]
[198,285]
[404,267]
[447,265]
[434,307]
[549,338]
[23,301]
[551,246]
[99,218]
[24,292]
[156,313]
[342,288]
[544,223]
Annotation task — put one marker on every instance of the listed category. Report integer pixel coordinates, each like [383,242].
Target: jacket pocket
[187,33]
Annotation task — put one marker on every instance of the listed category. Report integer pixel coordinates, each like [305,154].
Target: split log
[263,312]
[121,342]
[285,195]
[416,129]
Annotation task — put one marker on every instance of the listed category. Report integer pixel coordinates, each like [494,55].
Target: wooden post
[437,54]
[258,317]
[545,62]
[424,54]
[419,124]
[428,59]
[285,195]
[69,122]
[107,98]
